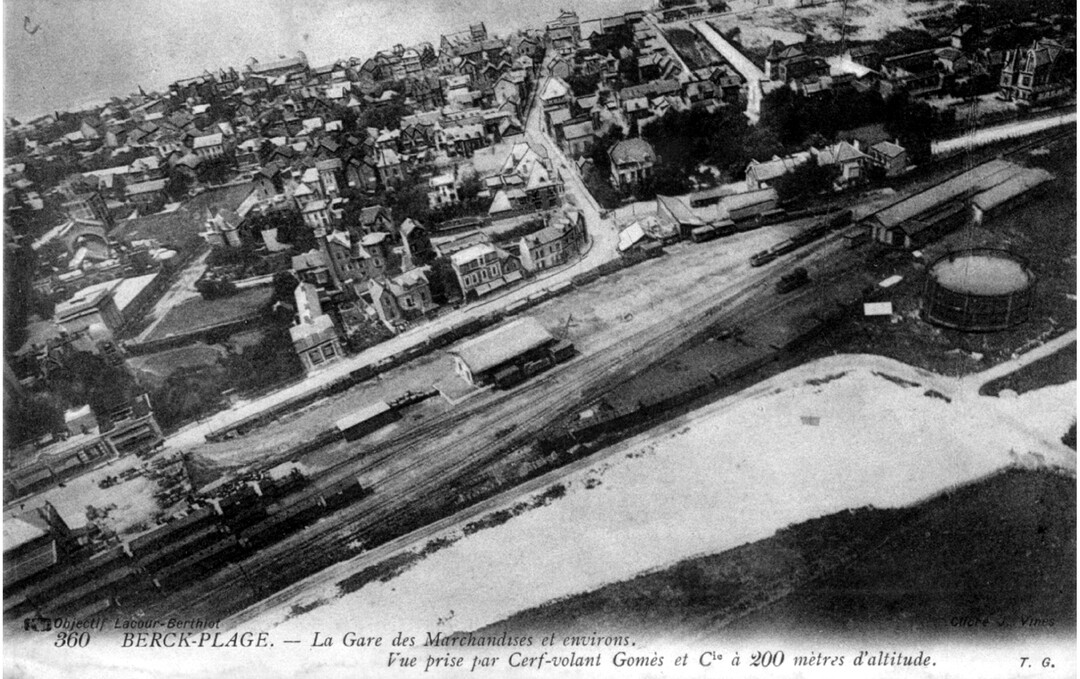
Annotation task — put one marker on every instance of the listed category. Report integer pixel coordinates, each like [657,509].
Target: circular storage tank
[980,289]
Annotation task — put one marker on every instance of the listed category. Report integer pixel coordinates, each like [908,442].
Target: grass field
[693,49]
[198,313]
[1004,548]
[1057,368]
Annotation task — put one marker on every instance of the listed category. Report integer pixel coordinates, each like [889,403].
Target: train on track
[221,531]
[817,231]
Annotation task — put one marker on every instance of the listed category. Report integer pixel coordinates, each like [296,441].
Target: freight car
[796,279]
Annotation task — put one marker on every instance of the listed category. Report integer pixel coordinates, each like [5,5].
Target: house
[415,240]
[316,213]
[404,297]
[551,246]
[889,156]
[222,229]
[329,171]
[315,338]
[760,175]
[209,146]
[915,72]
[442,191]
[802,66]
[556,93]
[148,195]
[311,267]
[578,138]
[1035,74]
[777,55]
[351,257]
[388,167]
[632,162]
[845,159]
[376,218]
[482,268]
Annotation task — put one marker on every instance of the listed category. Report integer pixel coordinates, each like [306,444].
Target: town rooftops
[151,186]
[556,88]
[887,149]
[502,344]
[83,302]
[548,234]
[841,152]
[293,62]
[307,335]
[777,167]
[312,259]
[578,130]
[462,257]
[207,141]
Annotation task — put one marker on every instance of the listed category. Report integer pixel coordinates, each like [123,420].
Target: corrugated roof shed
[982,177]
[1011,188]
[502,344]
[362,415]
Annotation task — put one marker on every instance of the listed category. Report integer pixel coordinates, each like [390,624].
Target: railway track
[421,481]
[424,468]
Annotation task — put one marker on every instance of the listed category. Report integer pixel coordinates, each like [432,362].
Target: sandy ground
[598,316]
[741,469]
[867,20]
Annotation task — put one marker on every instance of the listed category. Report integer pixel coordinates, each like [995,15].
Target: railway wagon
[192,567]
[703,233]
[171,531]
[725,227]
[842,218]
[771,217]
[509,376]
[343,492]
[762,258]
[95,589]
[175,551]
[784,247]
[796,279]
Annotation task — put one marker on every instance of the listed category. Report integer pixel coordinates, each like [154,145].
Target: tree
[270,361]
[915,123]
[471,186]
[807,179]
[214,288]
[443,281]
[29,418]
[285,287]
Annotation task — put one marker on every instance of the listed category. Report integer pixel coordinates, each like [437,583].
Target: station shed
[478,360]
[366,420]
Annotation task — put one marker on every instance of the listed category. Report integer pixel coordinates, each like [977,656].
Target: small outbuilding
[366,420]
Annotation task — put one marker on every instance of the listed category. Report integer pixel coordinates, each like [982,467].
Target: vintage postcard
[590,338]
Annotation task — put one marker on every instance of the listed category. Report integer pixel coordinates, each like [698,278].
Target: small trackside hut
[366,420]
[509,354]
